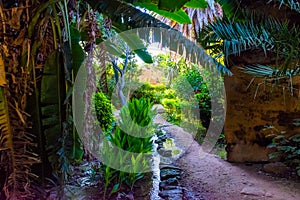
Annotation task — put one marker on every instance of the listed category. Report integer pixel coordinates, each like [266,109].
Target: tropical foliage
[274,36]
[134,136]
[103,111]
[36,107]
[44,43]
[287,149]
[154,93]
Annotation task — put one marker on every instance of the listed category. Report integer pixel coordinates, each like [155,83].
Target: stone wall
[251,105]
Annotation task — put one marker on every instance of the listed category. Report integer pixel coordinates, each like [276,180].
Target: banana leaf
[62,141]
[179,15]
[135,43]
[52,91]
[77,54]
[196,4]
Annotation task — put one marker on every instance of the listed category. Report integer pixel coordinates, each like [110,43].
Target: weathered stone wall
[253,104]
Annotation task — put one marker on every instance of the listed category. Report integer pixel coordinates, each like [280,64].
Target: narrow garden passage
[205,176]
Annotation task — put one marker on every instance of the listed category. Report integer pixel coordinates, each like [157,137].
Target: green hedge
[155,93]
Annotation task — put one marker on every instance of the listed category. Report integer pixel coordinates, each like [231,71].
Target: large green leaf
[166,38]
[52,92]
[113,49]
[135,43]
[168,5]
[144,55]
[178,16]
[126,14]
[196,4]
[77,52]
[34,19]
[171,5]
[230,8]
[62,141]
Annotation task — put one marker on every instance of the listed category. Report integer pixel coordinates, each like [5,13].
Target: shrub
[172,110]
[287,150]
[170,94]
[171,104]
[103,110]
[200,91]
[153,92]
[136,118]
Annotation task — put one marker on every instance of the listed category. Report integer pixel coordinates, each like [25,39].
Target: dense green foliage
[133,135]
[103,111]
[200,89]
[43,43]
[277,37]
[172,110]
[287,150]
[154,93]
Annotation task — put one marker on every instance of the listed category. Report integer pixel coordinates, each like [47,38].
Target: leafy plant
[287,150]
[196,83]
[272,36]
[154,93]
[103,111]
[133,135]
[172,110]
[170,94]
[222,154]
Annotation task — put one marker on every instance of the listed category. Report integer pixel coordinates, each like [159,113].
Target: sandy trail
[208,177]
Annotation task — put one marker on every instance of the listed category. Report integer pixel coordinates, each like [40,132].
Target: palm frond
[268,35]
[259,70]
[16,154]
[6,144]
[235,37]
[178,43]
[292,4]
[268,71]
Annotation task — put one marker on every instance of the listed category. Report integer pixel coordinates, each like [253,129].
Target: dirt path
[208,177]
